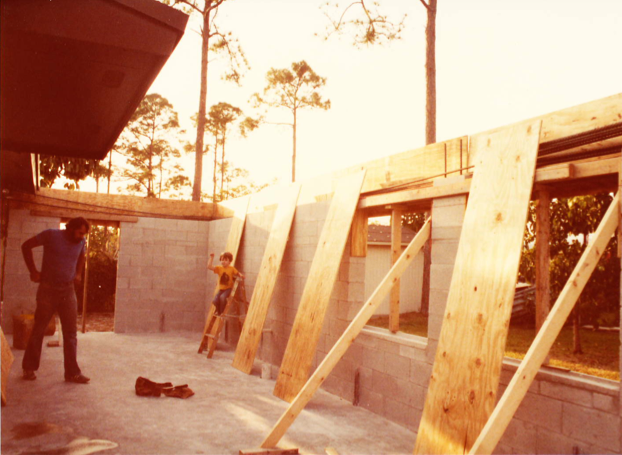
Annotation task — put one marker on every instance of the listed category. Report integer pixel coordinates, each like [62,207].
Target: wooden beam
[358,237]
[524,376]
[347,338]
[93,218]
[470,351]
[543,256]
[396,251]
[546,175]
[266,281]
[305,334]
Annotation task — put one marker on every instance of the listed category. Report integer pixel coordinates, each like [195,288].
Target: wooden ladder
[215,322]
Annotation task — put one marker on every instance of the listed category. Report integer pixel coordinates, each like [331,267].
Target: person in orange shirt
[226,276]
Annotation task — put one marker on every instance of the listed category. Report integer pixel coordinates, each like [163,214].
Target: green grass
[600,348]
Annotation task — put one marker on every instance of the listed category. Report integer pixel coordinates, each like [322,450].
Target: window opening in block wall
[413,314]
[590,340]
[99,281]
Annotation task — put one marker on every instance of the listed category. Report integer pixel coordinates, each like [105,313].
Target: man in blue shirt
[63,259]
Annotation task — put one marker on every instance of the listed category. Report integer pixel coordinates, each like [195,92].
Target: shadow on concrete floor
[229,411]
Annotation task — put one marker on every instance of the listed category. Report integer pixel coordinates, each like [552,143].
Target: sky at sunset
[498,62]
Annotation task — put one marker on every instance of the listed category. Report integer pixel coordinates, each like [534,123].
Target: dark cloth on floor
[147,388]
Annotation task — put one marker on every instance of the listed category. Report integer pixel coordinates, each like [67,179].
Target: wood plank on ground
[466,370]
[266,281]
[537,353]
[302,343]
[238,208]
[347,338]
[7,361]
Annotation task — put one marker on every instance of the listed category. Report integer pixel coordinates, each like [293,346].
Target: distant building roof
[382,234]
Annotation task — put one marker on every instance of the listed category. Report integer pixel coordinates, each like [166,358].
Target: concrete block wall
[161,278]
[19,292]
[563,412]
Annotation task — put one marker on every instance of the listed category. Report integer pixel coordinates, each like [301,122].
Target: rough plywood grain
[305,334]
[465,376]
[266,280]
[7,361]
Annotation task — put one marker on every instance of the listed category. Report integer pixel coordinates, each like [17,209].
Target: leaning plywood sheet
[240,208]
[305,334]
[266,280]
[526,373]
[465,376]
[7,361]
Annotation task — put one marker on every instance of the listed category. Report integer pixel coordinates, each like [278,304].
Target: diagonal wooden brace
[524,376]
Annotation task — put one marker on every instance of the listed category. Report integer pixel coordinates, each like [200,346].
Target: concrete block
[373,359]
[372,401]
[435,322]
[356,292]
[521,436]
[606,403]
[444,251]
[420,373]
[174,250]
[366,340]
[541,411]
[412,352]
[397,366]
[552,442]
[440,276]
[566,393]
[448,216]
[593,426]
[445,233]
[438,301]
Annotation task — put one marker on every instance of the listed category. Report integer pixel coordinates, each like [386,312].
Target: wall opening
[97,292]
[413,318]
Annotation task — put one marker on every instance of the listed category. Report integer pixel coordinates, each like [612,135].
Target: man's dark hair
[226,255]
[76,223]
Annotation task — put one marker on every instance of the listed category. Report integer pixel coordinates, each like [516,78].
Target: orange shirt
[225,276]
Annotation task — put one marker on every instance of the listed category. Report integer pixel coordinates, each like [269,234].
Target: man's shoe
[29,375]
[78,379]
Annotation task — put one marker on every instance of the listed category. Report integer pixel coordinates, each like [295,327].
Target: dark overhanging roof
[74,71]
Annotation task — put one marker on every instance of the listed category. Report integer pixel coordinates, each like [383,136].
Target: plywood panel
[266,280]
[465,376]
[305,334]
[348,337]
[537,353]
[7,361]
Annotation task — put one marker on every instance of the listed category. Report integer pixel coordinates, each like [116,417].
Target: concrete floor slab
[229,411]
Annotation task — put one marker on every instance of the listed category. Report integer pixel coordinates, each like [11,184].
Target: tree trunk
[222,165]
[215,166]
[109,170]
[430,74]
[294,154]
[198,161]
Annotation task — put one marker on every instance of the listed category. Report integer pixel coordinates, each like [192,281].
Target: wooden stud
[347,338]
[470,351]
[358,238]
[524,376]
[543,256]
[250,335]
[396,251]
[305,334]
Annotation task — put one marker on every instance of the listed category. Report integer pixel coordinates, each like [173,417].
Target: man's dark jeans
[50,300]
